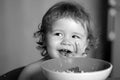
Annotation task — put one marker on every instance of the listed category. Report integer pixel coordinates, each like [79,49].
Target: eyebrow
[82,35]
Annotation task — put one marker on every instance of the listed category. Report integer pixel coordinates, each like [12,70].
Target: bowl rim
[99,71]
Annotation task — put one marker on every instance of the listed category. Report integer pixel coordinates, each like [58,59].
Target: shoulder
[31,70]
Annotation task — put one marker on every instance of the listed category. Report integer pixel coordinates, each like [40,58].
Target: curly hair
[64,10]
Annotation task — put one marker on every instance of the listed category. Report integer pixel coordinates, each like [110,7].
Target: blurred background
[19,19]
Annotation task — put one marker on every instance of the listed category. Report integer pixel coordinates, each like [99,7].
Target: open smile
[66,52]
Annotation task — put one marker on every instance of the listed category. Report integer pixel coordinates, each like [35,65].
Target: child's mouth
[65,52]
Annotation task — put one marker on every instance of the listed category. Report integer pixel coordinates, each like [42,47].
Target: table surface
[113,78]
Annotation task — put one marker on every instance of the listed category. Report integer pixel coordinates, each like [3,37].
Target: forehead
[69,24]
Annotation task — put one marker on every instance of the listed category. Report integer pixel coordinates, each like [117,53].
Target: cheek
[51,43]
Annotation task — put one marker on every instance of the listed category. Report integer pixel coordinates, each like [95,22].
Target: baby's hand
[79,51]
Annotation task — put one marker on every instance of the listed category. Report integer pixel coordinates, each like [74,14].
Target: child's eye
[76,36]
[58,34]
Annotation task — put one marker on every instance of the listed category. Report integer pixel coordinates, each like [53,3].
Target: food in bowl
[76,69]
[73,70]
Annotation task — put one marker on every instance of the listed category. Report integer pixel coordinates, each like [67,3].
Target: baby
[66,31]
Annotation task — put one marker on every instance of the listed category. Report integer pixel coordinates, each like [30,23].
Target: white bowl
[89,69]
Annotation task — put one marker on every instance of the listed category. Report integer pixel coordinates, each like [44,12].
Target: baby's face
[67,38]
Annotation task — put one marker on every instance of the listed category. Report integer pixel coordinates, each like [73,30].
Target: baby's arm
[32,72]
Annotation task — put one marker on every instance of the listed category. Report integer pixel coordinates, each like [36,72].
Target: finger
[76,47]
[84,54]
[78,50]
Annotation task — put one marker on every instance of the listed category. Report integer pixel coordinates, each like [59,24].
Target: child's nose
[66,42]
